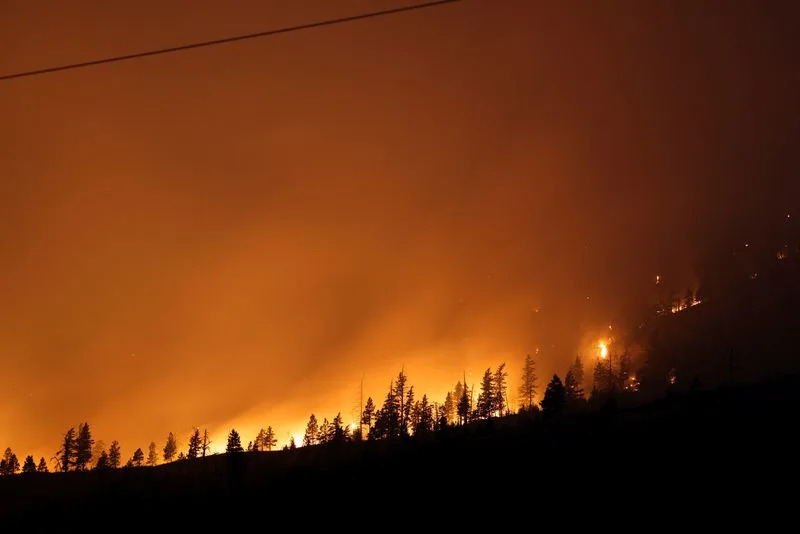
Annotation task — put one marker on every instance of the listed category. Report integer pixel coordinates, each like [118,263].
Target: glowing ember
[658,279]
[781,255]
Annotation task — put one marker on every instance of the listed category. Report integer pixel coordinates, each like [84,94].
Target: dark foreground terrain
[705,450]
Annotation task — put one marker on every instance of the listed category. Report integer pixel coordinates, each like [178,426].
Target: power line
[226,40]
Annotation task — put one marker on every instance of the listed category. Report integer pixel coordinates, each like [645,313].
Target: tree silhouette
[42,467]
[406,421]
[129,463]
[28,466]
[138,457]
[573,382]
[206,446]
[339,431]
[400,402]
[65,457]
[114,455]
[170,448]
[449,408]
[463,406]
[269,440]
[292,444]
[152,456]
[102,462]
[425,419]
[325,432]
[234,442]
[181,456]
[485,399]
[500,381]
[9,464]
[258,443]
[368,415]
[312,432]
[554,397]
[527,387]
[194,444]
[83,447]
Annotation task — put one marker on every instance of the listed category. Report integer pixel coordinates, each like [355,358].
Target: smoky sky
[236,235]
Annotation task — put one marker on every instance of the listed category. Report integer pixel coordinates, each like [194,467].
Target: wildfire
[685,304]
[602,349]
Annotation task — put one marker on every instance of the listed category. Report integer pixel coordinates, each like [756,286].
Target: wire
[225,40]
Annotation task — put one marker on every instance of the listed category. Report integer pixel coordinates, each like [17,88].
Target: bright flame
[603,350]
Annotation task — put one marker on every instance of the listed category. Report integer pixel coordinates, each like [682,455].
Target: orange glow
[602,350]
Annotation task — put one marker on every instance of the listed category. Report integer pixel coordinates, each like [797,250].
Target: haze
[234,236]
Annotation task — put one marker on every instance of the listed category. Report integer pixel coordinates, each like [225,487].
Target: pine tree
[292,444]
[152,456]
[114,455]
[449,408]
[425,419]
[234,442]
[527,387]
[9,464]
[574,392]
[311,437]
[554,397]
[181,456]
[206,446]
[389,417]
[485,400]
[339,431]
[170,448]
[138,457]
[269,440]
[500,381]
[42,467]
[464,406]
[29,466]
[66,455]
[258,443]
[102,462]
[401,402]
[194,444]
[573,382]
[83,447]
[325,432]
[406,421]
[368,416]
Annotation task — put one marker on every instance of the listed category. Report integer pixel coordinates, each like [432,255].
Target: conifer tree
[449,408]
[102,462]
[114,455]
[28,466]
[368,417]
[464,406]
[269,440]
[9,464]
[485,398]
[311,437]
[83,447]
[170,448]
[573,382]
[234,442]
[152,456]
[138,457]
[500,383]
[42,467]
[554,397]
[527,387]
[194,444]
[258,443]
[66,456]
